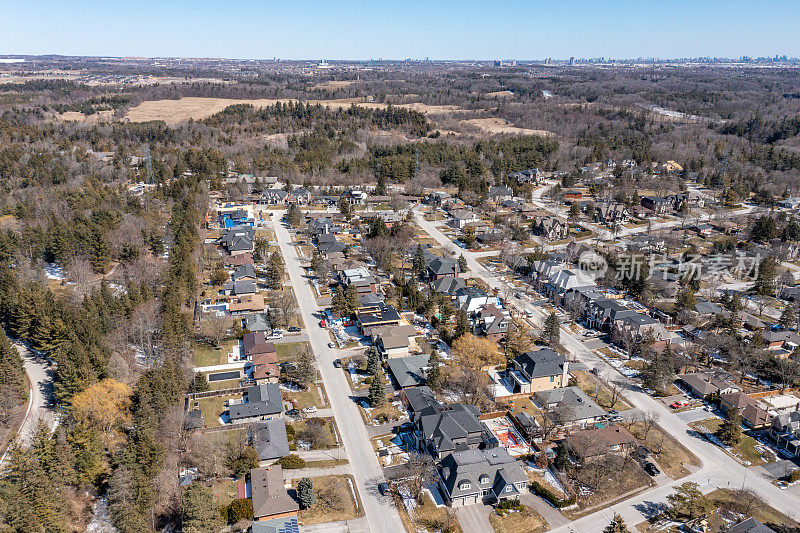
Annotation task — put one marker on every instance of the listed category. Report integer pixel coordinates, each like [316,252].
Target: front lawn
[526,521]
[671,455]
[335,500]
[307,398]
[745,452]
[427,517]
[325,438]
[599,391]
[289,351]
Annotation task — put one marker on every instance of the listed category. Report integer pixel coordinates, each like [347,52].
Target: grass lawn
[673,455]
[289,351]
[299,425]
[326,463]
[630,479]
[212,408]
[307,398]
[526,521]
[335,501]
[385,413]
[427,516]
[224,491]
[592,385]
[743,452]
[206,355]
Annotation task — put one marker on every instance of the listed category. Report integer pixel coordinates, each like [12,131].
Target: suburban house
[753,414]
[500,194]
[421,401]
[239,260]
[481,476]
[452,428]
[570,407]
[238,240]
[299,196]
[393,341]
[551,228]
[269,439]
[462,217]
[470,299]
[573,195]
[327,245]
[439,267]
[591,443]
[257,322]
[269,495]
[239,287]
[704,384]
[448,285]
[785,430]
[260,402]
[530,175]
[409,371]
[381,315]
[437,198]
[601,313]
[611,213]
[361,278]
[638,326]
[657,204]
[322,226]
[491,321]
[750,525]
[245,272]
[355,196]
[263,357]
[247,303]
[539,370]
[272,197]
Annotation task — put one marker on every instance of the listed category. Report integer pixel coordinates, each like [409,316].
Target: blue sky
[305,29]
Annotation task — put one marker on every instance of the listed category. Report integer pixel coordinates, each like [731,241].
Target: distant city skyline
[306,29]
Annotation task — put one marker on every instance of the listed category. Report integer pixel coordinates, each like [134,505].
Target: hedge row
[540,490]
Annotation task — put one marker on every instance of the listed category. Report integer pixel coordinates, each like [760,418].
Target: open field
[332,85]
[176,111]
[499,125]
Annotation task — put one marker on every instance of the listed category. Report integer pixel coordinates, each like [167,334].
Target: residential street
[718,470]
[380,513]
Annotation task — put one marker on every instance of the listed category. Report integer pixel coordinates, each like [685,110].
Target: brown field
[77,116]
[332,85]
[498,125]
[500,94]
[176,111]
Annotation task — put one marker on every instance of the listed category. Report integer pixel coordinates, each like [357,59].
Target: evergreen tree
[12,371]
[462,325]
[346,209]
[200,514]
[462,263]
[377,394]
[765,279]
[617,525]
[294,216]
[339,306]
[378,228]
[418,264]
[275,271]
[788,317]
[351,298]
[561,462]
[433,373]
[305,493]
[659,371]
[551,332]
[730,431]
[373,360]
[200,383]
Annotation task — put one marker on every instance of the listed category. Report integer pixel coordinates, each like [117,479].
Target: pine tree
[788,317]
[551,332]
[377,394]
[617,525]
[433,374]
[462,264]
[294,216]
[274,275]
[462,325]
[200,510]
[730,431]
[339,306]
[305,493]
[418,264]
[373,360]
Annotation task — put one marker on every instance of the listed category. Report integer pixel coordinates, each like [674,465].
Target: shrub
[240,509]
[794,476]
[506,505]
[291,462]
[549,495]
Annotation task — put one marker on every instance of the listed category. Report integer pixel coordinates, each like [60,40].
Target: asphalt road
[381,513]
[40,374]
[718,470]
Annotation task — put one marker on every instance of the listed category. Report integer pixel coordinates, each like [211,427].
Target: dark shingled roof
[262,400]
[542,363]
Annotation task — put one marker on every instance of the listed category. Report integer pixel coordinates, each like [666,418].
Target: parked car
[294,329]
[678,404]
[331,345]
[278,330]
[651,469]
[293,412]
[310,409]
[337,363]
[616,418]
[384,489]
[275,336]
[323,324]
[613,412]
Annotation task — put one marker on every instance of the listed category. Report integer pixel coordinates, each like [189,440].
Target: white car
[311,409]
[275,336]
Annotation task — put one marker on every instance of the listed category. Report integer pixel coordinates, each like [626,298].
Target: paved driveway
[695,415]
[475,518]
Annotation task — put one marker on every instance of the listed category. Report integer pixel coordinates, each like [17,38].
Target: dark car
[337,363]
[294,329]
[384,489]
[293,412]
[651,469]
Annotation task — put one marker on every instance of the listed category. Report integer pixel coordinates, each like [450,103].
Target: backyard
[335,500]
[212,408]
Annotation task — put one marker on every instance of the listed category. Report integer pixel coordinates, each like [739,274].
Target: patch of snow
[54,271]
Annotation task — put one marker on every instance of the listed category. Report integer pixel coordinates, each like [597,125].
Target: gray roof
[422,399]
[581,406]
[448,285]
[244,271]
[542,363]
[269,439]
[288,524]
[751,525]
[472,471]
[409,371]
[458,423]
[262,400]
[257,322]
[242,286]
[439,266]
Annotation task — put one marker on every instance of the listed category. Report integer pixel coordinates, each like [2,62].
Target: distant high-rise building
[571,60]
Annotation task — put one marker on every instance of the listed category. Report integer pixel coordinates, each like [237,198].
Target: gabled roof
[459,422]
[409,371]
[580,406]
[542,363]
[256,342]
[448,285]
[440,266]
[269,439]
[244,271]
[269,493]
[257,322]
[241,286]
[472,471]
[420,399]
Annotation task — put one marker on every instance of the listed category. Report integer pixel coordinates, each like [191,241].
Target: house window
[509,488]
[465,485]
[552,379]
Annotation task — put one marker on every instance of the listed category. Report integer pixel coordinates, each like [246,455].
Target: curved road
[40,374]
[718,470]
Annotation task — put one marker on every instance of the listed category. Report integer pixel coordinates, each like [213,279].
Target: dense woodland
[119,330]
